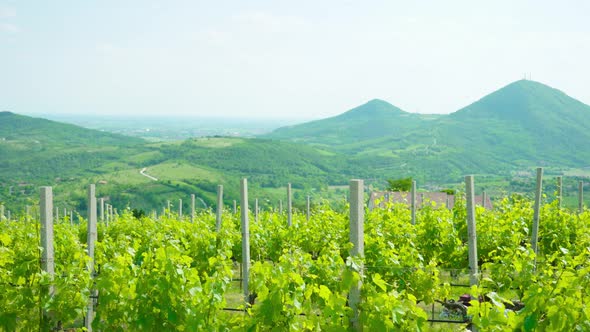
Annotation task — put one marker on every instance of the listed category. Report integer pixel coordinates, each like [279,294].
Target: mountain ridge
[517,95]
[375,141]
[372,119]
[22,128]
[523,123]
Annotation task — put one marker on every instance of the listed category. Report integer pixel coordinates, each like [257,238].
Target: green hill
[35,149]
[373,120]
[523,124]
[547,118]
[38,152]
[17,130]
[520,126]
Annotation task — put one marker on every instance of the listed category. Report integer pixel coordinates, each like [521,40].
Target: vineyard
[170,273]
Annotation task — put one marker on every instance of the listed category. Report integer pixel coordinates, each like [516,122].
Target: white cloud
[108,49]
[270,21]
[6,12]
[9,27]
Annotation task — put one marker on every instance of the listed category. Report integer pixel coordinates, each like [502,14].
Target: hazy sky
[282,59]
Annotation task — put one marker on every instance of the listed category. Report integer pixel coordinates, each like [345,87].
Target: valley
[499,138]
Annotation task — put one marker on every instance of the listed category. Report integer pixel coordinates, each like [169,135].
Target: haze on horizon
[304,59]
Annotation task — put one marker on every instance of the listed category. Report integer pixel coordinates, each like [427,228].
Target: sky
[278,59]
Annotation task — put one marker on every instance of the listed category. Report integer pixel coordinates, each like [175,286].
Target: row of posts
[167,209]
[357,212]
[47,260]
[110,213]
[289,206]
[48,255]
[471,228]
[413,193]
[107,212]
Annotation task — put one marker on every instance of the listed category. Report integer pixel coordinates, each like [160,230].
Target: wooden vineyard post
[92,235]
[308,207]
[535,232]
[559,191]
[256,210]
[180,209]
[289,206]
[371,204]
[245,239]
[56,214]
[8,215]
[1,212]
[219,208]
[102,209]
[27,213]
[235,207]
[581,197]
[413,202]
[357,219]
[471,231]
[193,201]
[71,217]
[47,256]
[484,198]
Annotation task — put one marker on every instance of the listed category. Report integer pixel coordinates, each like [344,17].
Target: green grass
[147,157]
[161,144]
[181,170]
[217,142]
[124,177]
[579,172]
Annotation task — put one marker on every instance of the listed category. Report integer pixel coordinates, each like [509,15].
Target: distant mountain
[523,121]
[528,102]
[523,124]
[520,126]
[373,120]
[24,129]
[34,148]
[35,152]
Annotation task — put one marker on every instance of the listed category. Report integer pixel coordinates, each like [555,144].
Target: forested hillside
[500,137]
[521,125]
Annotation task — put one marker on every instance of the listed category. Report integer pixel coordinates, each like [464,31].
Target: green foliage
[404,184]
[448,191]
[24,287]
[138,214]
[170,274]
